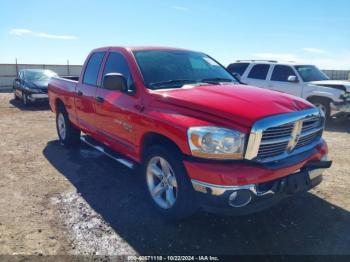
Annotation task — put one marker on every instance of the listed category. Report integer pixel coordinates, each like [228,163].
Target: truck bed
[62,89]
[74,78]
[60,83]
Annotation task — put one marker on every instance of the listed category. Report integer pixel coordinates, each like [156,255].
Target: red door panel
[114,119]
[85,106]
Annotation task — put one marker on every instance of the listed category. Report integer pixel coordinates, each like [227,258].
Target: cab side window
[93,68]
[281,73]
[259,71]
[116,63]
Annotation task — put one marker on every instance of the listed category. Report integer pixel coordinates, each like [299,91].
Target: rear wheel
[68,134]
[168,184]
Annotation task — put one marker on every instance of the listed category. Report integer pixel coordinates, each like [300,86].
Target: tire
[15,96]
[183,202]
[25,99]
[324,105]
[68,134]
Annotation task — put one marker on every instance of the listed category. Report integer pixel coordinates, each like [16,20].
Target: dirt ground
[59,201]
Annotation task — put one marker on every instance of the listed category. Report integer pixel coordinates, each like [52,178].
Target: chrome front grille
[311,123]
[270,150]
[308,139]
[278,131]
[280,136]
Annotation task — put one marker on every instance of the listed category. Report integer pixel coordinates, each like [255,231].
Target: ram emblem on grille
[295,136]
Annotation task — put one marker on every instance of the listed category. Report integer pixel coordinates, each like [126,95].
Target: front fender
[321,91]
[170,125]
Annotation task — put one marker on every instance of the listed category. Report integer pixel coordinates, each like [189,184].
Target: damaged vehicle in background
[30,85]
[306,81]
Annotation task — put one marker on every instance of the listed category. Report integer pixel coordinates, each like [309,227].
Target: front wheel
[15,95]
[324,106]
[168,184]
[25,99]
[68,134]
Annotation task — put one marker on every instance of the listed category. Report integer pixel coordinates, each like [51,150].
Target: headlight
[216,143]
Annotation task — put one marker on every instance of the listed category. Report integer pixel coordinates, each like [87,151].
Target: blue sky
[40,31]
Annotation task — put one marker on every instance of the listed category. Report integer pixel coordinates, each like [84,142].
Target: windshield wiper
[172,82]
[216,80]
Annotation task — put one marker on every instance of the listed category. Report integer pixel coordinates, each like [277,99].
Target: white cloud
[181,8]
[314,50]
[24,32]
[19,31]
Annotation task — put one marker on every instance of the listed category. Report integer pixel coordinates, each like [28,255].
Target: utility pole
[16,67]
[68,67]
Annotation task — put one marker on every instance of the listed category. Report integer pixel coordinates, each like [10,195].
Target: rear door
[257,75]
[85,92]
[238,68]
[116,110]
[279,80]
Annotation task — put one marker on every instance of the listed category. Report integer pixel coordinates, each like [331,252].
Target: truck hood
[240,104]
[337,84]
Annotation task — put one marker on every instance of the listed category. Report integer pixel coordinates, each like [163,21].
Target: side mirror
[115,81]
[293,79]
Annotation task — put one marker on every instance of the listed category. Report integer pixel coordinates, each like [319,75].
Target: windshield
[171,69]
[311,73]
[44,75]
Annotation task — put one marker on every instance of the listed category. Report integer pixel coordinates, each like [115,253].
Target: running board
[108,152]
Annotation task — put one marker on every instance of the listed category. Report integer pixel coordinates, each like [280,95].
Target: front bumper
[241,188]
[338,107]
[239,200]
[33,97]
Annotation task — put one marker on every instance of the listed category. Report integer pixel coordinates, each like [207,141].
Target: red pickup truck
[201,138]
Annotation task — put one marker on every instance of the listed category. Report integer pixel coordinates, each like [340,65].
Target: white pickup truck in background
[306,81]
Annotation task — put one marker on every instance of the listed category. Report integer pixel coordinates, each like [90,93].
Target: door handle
[99,99]
[139,107]
[79,93]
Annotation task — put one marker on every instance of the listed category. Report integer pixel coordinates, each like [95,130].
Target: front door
[279,80]
[116,110]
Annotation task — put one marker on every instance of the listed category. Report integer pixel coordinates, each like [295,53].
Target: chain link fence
[338,74]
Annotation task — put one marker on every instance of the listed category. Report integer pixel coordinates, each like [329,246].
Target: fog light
[240,198]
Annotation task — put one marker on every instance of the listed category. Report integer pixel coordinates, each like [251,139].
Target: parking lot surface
[55,200]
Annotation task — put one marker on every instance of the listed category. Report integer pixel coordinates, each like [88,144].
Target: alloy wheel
[322,107]
[61,125]
[161,182]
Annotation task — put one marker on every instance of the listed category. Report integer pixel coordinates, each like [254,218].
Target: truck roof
[139,48]
[292,63]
